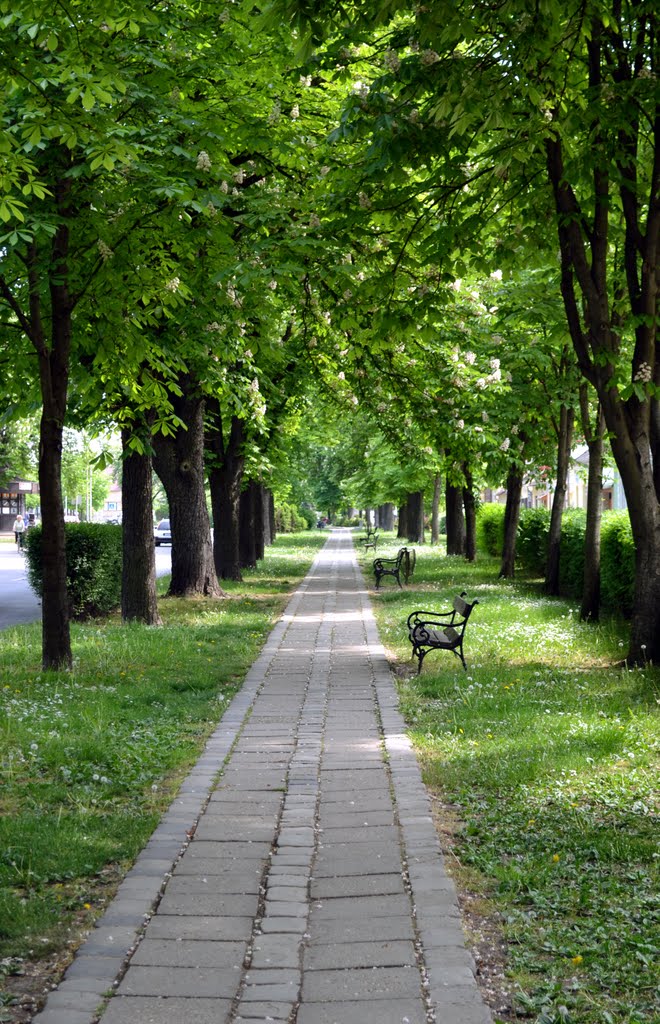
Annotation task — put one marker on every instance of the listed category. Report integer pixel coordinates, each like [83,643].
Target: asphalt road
[18,603]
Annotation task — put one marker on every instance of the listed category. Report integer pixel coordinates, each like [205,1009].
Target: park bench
[402,565]
[440,631]
[370,540]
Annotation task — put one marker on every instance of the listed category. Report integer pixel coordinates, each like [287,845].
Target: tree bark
[514,483]
[271,516]
[247,528]
[265,501]
[455,521]
[435,509]
[54,379]
[590,608]
[225,472]
[138,582]
[387,516]
[179,463]
[402,529]
[259,519]
[564,441]
[415,531]
[470,508]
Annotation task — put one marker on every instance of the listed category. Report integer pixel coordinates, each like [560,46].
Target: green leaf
[88,100]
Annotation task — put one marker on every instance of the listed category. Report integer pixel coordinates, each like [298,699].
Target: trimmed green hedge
[94,560]
[490,528]
[617,550]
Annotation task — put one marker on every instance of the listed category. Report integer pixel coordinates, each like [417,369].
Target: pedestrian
[19,531]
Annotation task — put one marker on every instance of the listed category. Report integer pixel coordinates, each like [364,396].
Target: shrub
[617,565]
[490,528]
[288,519]
[532,540]
[93,571]
[571,552]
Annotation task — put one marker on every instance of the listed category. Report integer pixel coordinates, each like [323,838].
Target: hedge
[617,550]
[93,571]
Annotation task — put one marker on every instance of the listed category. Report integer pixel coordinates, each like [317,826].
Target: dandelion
[203,161]
[576,960]
[555,858]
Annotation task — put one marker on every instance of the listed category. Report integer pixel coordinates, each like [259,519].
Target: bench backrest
[463,607]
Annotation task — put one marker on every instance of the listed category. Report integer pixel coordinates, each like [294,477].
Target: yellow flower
[577,960]
[532,821]
[87,906]
[555,858]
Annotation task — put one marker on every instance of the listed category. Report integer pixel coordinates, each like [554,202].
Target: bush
[617,565]
[288,519]
[571,552]
[93,571]
[532,542]
[490,528]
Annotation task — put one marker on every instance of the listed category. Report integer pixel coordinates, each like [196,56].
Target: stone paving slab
[141,1010]
[392,1011]
[313,885]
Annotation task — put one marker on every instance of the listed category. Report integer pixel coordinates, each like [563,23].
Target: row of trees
[208,235]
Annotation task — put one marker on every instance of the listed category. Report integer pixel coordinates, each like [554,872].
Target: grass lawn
[90,759]
[542,760]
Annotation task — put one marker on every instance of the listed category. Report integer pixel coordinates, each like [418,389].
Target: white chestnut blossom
[644,374]
[203,161]
[505,444]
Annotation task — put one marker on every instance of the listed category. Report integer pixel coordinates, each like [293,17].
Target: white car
[162,533]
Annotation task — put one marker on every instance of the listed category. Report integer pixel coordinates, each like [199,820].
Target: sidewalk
[305,885]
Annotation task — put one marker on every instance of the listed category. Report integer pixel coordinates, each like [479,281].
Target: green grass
[90,759]
[548,749]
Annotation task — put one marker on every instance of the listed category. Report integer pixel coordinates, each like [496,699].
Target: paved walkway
[306,883]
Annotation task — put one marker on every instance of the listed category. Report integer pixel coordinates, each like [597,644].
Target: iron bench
[404,563]
[440,631]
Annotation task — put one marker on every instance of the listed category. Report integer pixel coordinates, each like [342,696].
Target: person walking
[19,531]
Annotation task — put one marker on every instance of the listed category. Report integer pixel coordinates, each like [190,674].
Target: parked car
[162,533]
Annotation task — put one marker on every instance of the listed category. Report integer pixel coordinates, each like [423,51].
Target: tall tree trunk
[470,507]
[402,529]
[435,509]
[54,379]
[454,519]
[259,519]
[226,462]
[415,532]
[564,442]
[590,608]
[247,539]
[514,483]
[265,502]
[138,581]
[387,516]
[271,516]
[179,463]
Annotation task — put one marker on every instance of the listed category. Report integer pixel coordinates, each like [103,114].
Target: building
[12,501]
